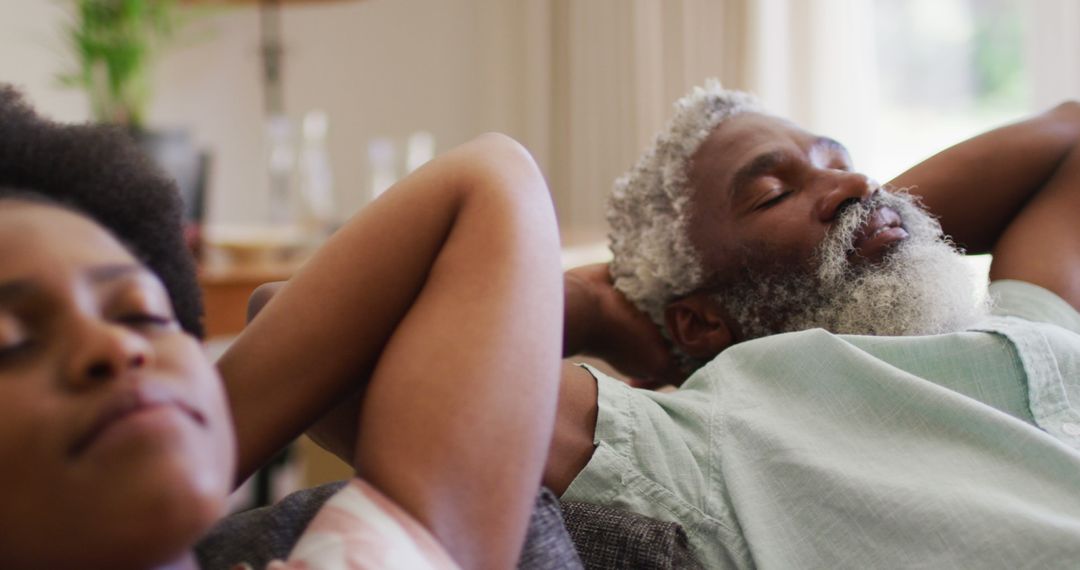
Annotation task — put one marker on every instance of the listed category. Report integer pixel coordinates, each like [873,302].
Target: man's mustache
[854,215]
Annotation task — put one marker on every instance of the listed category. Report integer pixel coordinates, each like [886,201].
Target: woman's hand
[601,322]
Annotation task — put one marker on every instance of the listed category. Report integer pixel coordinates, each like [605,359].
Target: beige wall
[379,68]
[583,84]
[31,56]
[617,67]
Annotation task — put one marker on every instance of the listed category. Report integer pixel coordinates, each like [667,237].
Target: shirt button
[1071,428]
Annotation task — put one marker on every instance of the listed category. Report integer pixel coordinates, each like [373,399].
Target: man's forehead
[738,138]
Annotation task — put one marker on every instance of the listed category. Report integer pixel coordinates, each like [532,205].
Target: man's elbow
[1059,126]
[1070,106]
[1067,113]
[261,296]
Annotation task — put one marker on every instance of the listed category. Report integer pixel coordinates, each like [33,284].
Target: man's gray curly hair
[650,206]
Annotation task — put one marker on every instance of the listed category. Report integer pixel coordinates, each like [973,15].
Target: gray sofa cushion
[261,535]
[547,544]
[604,538]
[609,538]
[264,534]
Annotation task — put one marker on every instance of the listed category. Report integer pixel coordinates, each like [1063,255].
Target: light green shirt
[814,450]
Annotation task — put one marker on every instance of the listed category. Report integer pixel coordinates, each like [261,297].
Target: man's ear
[698,326]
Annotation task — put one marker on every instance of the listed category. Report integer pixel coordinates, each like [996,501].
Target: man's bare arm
[575,423]
[1042,244]
[600,322]
[1013,192]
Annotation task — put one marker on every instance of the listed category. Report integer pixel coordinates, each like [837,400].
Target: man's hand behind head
[601,322]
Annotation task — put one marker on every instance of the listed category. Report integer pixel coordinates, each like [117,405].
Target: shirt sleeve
[1013,298]
[652,457]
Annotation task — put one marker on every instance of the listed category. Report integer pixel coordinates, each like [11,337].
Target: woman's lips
[130,405]
[883,230]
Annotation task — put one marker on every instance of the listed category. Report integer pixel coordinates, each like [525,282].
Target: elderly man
[855,401]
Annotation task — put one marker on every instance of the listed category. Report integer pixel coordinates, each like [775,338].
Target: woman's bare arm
[444,295]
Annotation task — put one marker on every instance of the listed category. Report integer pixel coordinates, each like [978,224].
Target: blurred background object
[316,185]
[293,198]
[114,44]
[421,148]
[383,159]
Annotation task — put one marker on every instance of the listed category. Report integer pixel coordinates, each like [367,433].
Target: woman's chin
[162,522]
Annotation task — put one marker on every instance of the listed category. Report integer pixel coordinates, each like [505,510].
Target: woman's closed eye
[146,319]
[14,338]
[11,351]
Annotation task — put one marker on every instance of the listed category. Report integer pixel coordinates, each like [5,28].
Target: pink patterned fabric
[359,528]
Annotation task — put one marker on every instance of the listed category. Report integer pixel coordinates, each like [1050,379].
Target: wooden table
[226,289]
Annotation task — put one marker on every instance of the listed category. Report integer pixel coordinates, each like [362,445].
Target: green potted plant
[115,45]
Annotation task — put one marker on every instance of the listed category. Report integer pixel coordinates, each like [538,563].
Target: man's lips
[882,230]
[126,405]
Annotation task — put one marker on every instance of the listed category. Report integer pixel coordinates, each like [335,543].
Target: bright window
[947,70]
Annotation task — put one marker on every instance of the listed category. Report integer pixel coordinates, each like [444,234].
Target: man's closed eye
[775,199]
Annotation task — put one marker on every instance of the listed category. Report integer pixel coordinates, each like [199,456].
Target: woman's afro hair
[650,206]
[98,171]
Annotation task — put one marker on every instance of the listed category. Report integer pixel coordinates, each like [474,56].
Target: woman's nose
[841,188]
[105,351]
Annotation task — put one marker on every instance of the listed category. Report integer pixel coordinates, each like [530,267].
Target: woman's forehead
[34,236]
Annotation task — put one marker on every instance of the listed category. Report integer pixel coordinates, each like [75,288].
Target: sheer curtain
[1053,51]
[586,84]
[813,61]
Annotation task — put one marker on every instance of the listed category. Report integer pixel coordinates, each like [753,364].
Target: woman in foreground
[442,300]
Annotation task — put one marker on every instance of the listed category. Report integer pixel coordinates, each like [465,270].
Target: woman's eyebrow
[23,289]
[114,271]
[16,290]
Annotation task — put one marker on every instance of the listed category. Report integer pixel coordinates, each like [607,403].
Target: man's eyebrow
[761,164]
[831,144]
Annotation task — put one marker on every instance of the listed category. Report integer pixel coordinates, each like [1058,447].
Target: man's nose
[840,188]
[105,351]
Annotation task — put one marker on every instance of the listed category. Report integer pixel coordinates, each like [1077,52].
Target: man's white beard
[923,286]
